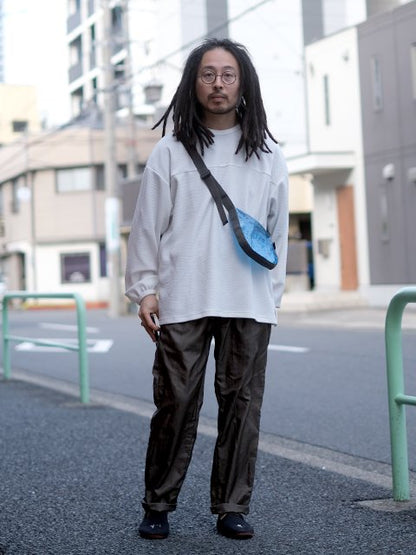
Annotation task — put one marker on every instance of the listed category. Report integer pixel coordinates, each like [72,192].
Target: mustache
[216,95]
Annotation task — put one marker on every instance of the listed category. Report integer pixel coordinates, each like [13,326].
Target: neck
[220,121]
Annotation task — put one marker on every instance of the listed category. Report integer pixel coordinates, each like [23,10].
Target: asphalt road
[72,482]
[326,379]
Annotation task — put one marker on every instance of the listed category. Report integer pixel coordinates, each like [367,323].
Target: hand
[149,306]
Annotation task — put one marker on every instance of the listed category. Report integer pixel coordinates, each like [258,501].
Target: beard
[220,110]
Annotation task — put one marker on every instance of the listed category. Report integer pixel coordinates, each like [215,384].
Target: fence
[396,396]
[81,347]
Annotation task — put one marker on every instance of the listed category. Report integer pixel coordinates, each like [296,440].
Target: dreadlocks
[187,113]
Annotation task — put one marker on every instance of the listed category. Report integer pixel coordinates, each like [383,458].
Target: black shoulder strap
[218,194]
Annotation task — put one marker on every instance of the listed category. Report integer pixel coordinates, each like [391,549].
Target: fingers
[150,307]
[151,332]
[150,327]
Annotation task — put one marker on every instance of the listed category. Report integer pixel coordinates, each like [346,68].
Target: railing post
[6,342]
[81,328]
[82,350]
[395,385]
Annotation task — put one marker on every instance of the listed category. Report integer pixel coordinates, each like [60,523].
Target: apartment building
[52,209]
[334,162]
[143,37]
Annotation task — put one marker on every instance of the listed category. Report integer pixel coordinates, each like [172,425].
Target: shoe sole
[236,536]
[146,536]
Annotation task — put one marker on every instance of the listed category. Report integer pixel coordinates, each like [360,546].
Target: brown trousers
[179,372]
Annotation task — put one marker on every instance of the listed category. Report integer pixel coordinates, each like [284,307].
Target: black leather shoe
[233,525]
[155,525]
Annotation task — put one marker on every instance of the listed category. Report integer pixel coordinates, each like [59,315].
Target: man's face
[218,98]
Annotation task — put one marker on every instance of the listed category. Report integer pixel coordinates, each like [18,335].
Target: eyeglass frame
[201,76]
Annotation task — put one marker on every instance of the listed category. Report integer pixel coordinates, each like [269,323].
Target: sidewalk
[71,481]
[305,301]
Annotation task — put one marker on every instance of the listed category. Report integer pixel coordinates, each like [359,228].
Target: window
[73,179]
[75,51]
[140,168]
[117,20]
[75,268]
[19,126]
[100,177]
[117,29]
[15,198]
[93,50]
[75,59]
[103,260]
[384,214]
[413,63]
[122,171]
[376,83]
[326,100]
[77,101]
[16,184]
[94,86]
[74,6]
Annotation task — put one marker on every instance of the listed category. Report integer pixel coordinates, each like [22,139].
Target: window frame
[20,125]
[64,256]
[62,189]
[376,83]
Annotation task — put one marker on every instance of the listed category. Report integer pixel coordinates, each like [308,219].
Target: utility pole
[132,152]
[112,202]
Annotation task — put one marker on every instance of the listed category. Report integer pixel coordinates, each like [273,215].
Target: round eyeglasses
[209,77]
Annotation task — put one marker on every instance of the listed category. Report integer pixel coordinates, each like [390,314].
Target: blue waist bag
[252,237]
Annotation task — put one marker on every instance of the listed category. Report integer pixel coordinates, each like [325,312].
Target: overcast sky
[35,53]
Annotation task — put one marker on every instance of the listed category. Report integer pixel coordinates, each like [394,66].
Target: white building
[334,161]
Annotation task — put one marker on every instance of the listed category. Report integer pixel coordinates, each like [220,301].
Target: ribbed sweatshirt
[178,247]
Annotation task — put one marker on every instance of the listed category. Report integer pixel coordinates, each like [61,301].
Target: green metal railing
[396,395]
[81,347]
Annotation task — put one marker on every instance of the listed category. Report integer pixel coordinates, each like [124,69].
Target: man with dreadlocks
[186,268]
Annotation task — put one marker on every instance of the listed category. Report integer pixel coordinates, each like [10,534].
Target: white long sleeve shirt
[178,247]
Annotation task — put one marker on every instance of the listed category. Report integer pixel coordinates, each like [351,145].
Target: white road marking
[288,349]
[285,348]
[93,345]
[65,327]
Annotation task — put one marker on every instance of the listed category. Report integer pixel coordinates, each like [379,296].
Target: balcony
[75,71]
[118,43]
[73,21]
[93,61]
